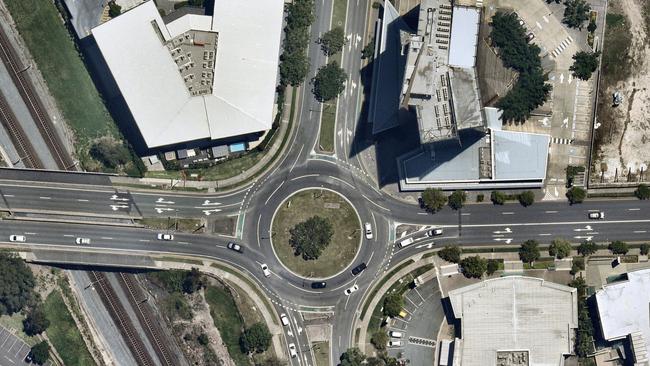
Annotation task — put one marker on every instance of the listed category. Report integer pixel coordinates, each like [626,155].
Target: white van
[396,334]
[405,243]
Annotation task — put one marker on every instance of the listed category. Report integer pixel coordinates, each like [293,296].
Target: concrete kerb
[363,323]
[360,236]
[207,268]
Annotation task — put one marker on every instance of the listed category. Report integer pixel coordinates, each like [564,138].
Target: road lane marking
[30,234]
[82,200]
[633,209]
[305,176]
[374,203]
[342,181]
[144,240]
[9,195]
[45,198]
[297,157]
[465,214]
[544,234]
[422,213]
[106,238]
[268,199]
[554,223]
[183,242]
[640,231]
[68,235]
[550,212]
[507,213]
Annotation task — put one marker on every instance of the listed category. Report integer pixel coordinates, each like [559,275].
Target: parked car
[82,241]
[265,270]
[396,334]
[405,243]
[318,284]
[284,319]
[530,36]
[434,232]
[166,237]
[350,290]
[292,350]
[358,269]
[597,215]
[20,238]
[236,247]
[368,229]
[395,344]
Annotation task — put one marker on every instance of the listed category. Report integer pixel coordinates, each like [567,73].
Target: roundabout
[345,237]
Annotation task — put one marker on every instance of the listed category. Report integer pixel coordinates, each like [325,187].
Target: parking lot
[12,349]
[420,326]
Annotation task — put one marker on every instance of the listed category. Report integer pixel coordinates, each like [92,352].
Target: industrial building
[514,321]
[431,73]
[193,78]
[623,313]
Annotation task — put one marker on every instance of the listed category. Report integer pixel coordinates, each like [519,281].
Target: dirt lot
[621,138]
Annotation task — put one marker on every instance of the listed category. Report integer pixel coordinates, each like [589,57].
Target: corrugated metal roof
[464,35]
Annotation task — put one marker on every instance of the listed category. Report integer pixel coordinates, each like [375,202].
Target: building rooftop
[623,311]
[464,35]
[515,320]
[519,155]
[176,90]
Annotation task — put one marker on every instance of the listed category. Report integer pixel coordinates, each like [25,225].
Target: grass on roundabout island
[345,241]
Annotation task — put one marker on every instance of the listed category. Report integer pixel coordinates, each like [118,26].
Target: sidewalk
[233,182]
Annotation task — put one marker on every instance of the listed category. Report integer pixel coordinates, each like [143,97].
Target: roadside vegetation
[531,90]
[294,63]
[61,64]
[576,13]
[584,64]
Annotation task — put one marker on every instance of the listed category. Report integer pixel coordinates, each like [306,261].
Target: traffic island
[332,210]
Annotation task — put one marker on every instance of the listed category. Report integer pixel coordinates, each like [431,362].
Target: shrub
[35,322]
[40,352]
[257,338]
[450,253]
[474,267]
[114,9]
[578,265]
[480,197]
[492,266]
[203,339]
[642,192]
[393,304]
[498,197]
[529,251]
[618,247]
[433,199]
[526,198]
[644,248]
[587,248]
[379,339]
[457,200]
[576,195]
[584,64]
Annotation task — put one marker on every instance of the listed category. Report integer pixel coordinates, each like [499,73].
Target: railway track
[121,318]
[144,314]
[22,144]
[35,106]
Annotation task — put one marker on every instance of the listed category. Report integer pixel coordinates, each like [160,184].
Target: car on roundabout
[368,229]
[284,319]
[351,290]
[358,269]
[236,247]
[165,237]
[318,284]
[17,238]
[265,270]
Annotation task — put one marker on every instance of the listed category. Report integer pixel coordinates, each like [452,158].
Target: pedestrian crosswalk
[561,141]
[422,342]
[563,45]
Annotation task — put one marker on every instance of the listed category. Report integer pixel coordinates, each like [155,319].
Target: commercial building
[462,143]
[196,78]
[623,312]
[514,321]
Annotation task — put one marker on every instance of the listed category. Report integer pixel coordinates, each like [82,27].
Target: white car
[292,350]
[395,344]
[82,241]
[368,229]
[284,319]
[396,334]
[350,290]
[434,232]
[20,238]
[597,215]
[265,270]
[166,237]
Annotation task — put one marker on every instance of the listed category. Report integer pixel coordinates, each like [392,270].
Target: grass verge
[63,332]
[228,320]
[184,225]
[380,284]
[65,74]
[322,353]
[181,260]
[345,241]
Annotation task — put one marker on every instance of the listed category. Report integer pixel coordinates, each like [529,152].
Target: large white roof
[515,314]
[245,70]
[623,308]
[464,35]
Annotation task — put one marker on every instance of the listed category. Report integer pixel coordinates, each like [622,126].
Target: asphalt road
[301,167]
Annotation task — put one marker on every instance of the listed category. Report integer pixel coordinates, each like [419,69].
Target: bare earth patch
[623,141]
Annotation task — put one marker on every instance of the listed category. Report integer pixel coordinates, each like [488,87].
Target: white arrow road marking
[162,209]
[588,238]
[587,228]
[162,200]
[208,203]
[507,240]
[117,207]
[505,231]
[561,78]
[118,198]
[428,246]
[208,212]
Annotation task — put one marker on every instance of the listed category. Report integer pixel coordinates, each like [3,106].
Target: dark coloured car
[358,269]
[319,284]
[236,247]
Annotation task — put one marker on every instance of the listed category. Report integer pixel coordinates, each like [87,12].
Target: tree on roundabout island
[309,238]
